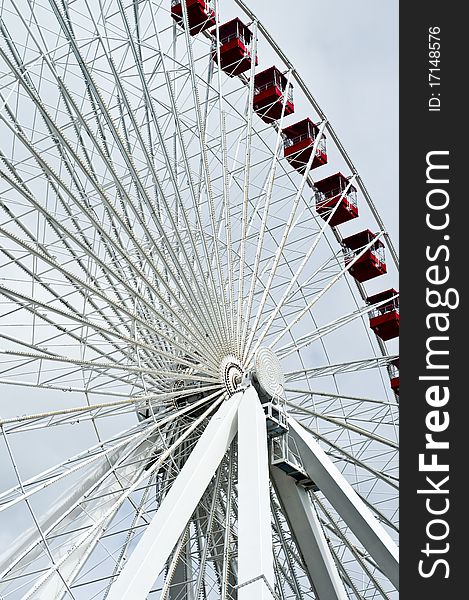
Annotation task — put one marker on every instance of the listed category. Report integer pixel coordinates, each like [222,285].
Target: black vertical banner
[434,247]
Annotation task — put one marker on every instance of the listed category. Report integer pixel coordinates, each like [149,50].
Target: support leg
[255,557]
[309,537]
[149,556]
[346,502]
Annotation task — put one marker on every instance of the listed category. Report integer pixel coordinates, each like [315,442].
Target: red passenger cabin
[235,47]
[298,145]
[384,320]
[394,374]
[331,195]
[200,14]
[371,263]
[270,87]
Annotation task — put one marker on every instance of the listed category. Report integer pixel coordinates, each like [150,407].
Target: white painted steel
[346,502]
[255,557]
[67,511]
[309,535]
[149,557]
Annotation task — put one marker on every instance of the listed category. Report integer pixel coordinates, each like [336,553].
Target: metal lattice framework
[156,251]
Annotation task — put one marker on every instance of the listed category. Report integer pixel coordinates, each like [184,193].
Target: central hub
[231,373]
[269,375]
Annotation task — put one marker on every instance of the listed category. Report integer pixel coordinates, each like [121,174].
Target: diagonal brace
[346,502]
[152,551]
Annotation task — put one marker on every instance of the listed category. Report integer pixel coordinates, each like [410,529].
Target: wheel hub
[231,373]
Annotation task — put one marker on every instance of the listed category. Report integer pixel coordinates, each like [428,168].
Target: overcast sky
[347,52]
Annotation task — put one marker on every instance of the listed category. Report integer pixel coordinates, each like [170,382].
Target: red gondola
[200,14]
[298,145]
[269,93]
[235,47]
[384,320]
[372,263]
[329,195]
[394,374]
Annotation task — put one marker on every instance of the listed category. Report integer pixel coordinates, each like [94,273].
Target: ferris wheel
[198,355]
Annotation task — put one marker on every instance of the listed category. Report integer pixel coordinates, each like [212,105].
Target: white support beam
[255,556]
[346,502]
[309,537]
[149,556]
